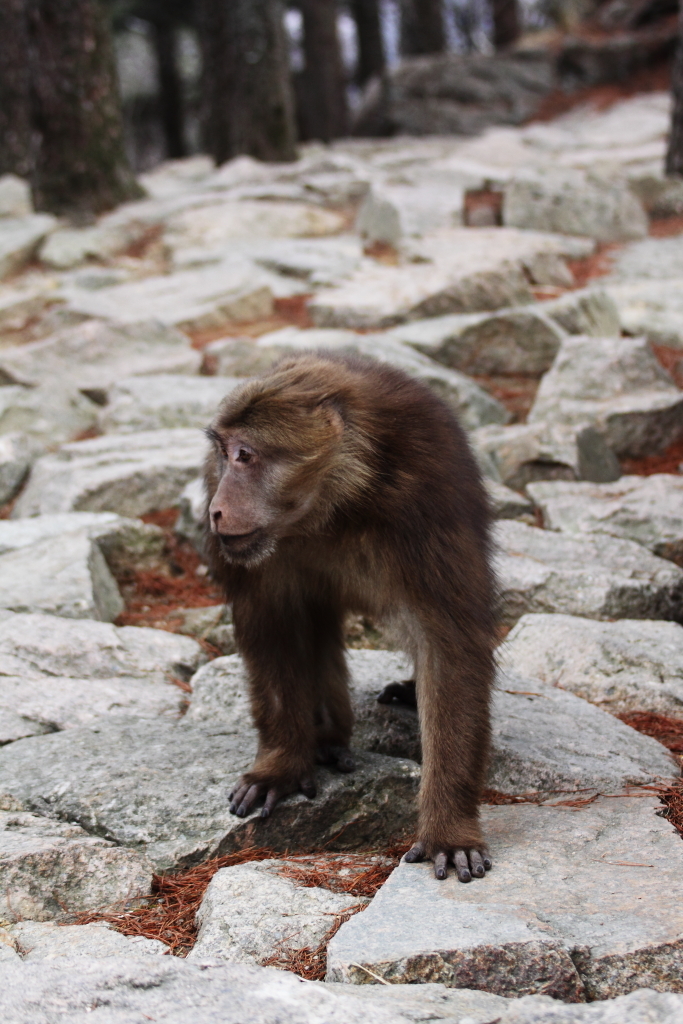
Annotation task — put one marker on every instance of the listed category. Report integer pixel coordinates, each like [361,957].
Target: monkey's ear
[332,416]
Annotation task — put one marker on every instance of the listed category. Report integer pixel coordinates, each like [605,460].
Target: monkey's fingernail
[464,876]
[265,813]
[488,863]
[479,871]
[440,873]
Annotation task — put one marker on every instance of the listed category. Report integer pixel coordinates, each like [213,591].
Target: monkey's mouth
[245,547]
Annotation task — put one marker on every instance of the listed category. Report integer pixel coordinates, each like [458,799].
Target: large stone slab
[46,415]
[66,575]
[15,461]
[647,509]
[249,912]
[525,452]
[44,940]
[389,213]
[162,402]
[543,739]
[471,403]
[653,259]
[651,307]
[580,904]
[459,270]
[94,355]
[575,203]
[163,788]
[44,645]
[130,474]
[617,385]
[20,238]
[598,577]
[630,665]
[200,299]
[50,870]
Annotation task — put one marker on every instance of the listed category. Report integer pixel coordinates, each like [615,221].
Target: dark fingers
[477,864]
[441,865]
[307,787]
[462,866]
[415,854]
[248,801]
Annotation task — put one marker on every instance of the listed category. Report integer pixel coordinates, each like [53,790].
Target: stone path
[119,742]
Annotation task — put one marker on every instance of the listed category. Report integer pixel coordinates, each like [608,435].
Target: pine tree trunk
[506,23]
[81,166]
[170,88]
[246,87]
[674,155]
[324,113]
[15,99]
[371,60]
[422,27]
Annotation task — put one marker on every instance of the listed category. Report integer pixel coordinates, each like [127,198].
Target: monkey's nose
[215,518]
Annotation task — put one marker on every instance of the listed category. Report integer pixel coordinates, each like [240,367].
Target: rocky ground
[533,277]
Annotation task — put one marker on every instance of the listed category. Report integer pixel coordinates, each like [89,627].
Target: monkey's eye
[243,455]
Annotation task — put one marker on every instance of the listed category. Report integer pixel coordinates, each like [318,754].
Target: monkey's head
[284,458]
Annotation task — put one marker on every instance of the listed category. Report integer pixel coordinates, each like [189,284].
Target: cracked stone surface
[567,909]
[44,941]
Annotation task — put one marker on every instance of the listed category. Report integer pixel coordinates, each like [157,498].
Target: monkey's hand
[470,862]
[402,693]
[255,786]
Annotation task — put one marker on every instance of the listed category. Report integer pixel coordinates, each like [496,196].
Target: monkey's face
[260,497]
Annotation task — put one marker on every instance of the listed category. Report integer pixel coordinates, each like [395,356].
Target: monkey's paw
[250,790]
[469,862]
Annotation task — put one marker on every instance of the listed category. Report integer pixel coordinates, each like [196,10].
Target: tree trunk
[506,23]
[15,97]
[674,155]
[371,60]
[170,88]
[422,27]
[81,166]
[322,95]
[246,87]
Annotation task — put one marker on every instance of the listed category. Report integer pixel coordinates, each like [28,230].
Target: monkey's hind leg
[334,717]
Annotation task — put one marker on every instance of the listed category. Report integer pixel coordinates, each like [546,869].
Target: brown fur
[365,497]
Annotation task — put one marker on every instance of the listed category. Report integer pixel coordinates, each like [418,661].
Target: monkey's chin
[249,550]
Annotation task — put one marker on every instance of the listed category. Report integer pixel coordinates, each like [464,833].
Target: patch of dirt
[670,461]
[516,392]
[597,265]
[152,596]
[602,97]
[672,361]
[288,312]
[666,227]
[382,252]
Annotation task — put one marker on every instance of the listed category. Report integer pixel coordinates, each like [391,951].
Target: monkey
[336,483]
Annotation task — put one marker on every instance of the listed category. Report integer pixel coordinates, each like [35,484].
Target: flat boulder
[646,509]
[45,940]
[131,474]
[629,665]
[47,416]
[15,461]
[652,307]
[20,238]
[594,576]
[51,870]
[94,355]
[616,385]
[162,402]
[582,903]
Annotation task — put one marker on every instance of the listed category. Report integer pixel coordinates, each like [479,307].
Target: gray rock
[131,474]
[566,911]
[598,577]
[45,940]
[656,259]
[588,311]
[660,195]
[389,213]
[623,666]
[250,912]
[24,300]
[50,870]
[162,402]
[617,385]
[213,624]
[317,261]
[125,543]
[472,405]
[192,505]
[65,576]
[651,307]
[163,788]
[15,196]
[15,462]
[525,452]
[506,503]
[20,238]
[646,509]
[44,645]
[46,415]
[237,357]
[456,270]
[67,247]
[543,739]
[521,341]
[200,299]
[574,203]
[94,355]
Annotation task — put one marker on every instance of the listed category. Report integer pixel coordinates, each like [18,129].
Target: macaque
[337,484]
